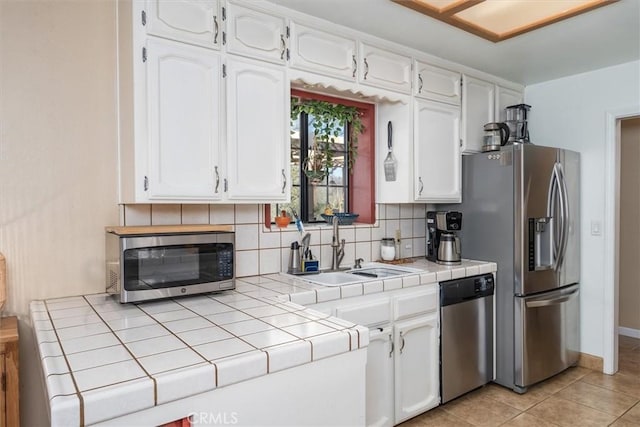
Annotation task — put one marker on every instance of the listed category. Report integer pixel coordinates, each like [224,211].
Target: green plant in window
[329,121]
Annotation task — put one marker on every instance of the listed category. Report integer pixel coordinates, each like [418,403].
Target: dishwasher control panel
[468,288]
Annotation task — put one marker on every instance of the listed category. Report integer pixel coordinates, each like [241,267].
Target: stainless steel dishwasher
[466,335]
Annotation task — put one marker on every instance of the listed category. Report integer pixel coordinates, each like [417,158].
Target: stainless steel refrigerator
[520,209]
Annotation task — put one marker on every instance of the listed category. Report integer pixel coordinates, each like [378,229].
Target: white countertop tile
[180,383]
[55,365]
[228,317]
[50,349]
[392,284]
[71,312]
[223,348]
[67,322]
[372,287]
[77,345]
[241,368]
[52,305]
[60,385]
[130,322]
[65,410]
[155,345]
[125,398]
[211,307]
[246,303]
[170,360]
[286,319]
[141,333]
[267,310]
[105,375]
[247,327]
[204,335]
[187,324]
[168,316]
[305,330]
[268,338]
[82,331]
[159,306]
[98,357]
[288,355]
[330,344]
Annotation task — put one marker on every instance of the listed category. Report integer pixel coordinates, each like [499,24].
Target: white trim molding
[612,233]
[629,332]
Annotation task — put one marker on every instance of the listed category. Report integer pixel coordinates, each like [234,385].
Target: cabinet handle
[145,183]
[284,183]
[420,83]
[402,346]
[421,186]
[355,65]
[215,36]
[217,180]
[392,346]
[366,68]
[284,46]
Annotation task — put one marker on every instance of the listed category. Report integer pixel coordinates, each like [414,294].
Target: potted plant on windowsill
[329,120]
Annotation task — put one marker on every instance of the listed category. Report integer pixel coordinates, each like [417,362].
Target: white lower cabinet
[416,366]
[380,387]
[402,378]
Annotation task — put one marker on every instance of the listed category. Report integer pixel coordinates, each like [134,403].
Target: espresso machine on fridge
[443,245]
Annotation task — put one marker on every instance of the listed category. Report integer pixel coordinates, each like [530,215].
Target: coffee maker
[443,245]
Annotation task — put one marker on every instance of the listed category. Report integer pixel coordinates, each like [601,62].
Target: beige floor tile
[629,384]
[566,413]
[622,423]
[527,420]
[516,400]
[633,415]
[438,417]
[628,366]
[625,342]
[562,380]
[602,399]
[479,410]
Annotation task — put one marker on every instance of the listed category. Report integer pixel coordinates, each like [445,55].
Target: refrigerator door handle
[564,213]
[551,301]
[553,196]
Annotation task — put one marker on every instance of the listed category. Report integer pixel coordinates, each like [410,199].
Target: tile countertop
[102,359]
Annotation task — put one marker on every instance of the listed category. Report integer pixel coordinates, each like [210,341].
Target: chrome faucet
[337,245]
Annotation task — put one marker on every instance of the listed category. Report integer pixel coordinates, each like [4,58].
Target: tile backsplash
[260,250]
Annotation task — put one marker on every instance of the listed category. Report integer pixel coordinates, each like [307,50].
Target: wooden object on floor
[589,361]
[9,385]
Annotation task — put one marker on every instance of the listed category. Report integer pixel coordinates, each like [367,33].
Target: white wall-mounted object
[436,83]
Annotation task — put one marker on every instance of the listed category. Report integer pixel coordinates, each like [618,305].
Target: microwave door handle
[551,301]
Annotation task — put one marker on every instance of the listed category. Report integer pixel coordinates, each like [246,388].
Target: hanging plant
[329,120]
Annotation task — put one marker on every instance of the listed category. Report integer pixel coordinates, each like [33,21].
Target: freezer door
[547,335]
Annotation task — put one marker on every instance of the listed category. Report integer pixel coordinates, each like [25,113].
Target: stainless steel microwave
[146,263]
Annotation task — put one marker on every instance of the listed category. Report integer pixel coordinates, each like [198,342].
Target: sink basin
[371,271]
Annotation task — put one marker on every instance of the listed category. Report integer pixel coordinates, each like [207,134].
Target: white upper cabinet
[256,34]
[325,53]
[437,84]
[183,96]
[504,98]
[478,105]
[191,21]
[437,167]
[258,141]
[385,69]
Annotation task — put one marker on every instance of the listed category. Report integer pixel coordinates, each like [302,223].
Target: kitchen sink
[371,271]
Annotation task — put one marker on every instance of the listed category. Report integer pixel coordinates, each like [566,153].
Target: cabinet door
[505,98]
[380,368]
[3,397]
[256,34]
[322,52]
[416,366]
[436,151]
[437,84]
[383,68]
[191,21]
[183,95]
[478,98]
[257,131]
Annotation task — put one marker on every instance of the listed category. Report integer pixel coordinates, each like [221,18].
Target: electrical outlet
[596,228]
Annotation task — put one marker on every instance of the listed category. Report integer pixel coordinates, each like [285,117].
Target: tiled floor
[577,397]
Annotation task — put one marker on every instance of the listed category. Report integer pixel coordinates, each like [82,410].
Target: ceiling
[596,39]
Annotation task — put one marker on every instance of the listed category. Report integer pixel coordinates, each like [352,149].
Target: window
[343,189]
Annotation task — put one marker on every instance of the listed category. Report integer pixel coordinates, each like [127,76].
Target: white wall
[570,113]
[57,159]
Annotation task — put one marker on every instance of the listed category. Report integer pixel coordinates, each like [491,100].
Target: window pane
[337,199]
[336,176]
[318,202]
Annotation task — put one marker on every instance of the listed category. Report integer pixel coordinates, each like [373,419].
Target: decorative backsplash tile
[263,251]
